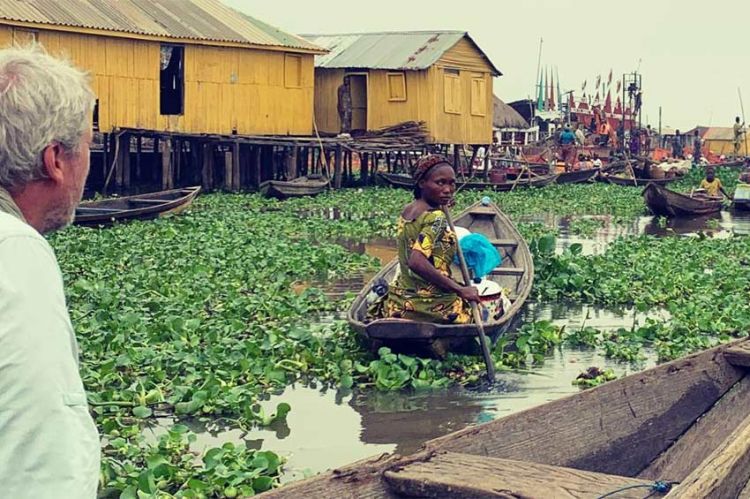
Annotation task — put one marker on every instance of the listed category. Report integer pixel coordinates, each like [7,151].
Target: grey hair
[43,100]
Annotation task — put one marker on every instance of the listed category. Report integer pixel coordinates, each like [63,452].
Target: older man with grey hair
[49,446]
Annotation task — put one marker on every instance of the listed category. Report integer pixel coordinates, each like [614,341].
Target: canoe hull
[139,207]
[515,273]
[300,187]
[578,177]
[662,201]
[405,182]
[639,182]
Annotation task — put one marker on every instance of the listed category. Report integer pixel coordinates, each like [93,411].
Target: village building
[441,78]
[174,73]
[510,128]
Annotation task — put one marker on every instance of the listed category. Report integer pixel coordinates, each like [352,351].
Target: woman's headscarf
[424,165]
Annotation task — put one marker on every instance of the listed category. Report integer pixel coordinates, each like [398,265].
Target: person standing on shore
[49,446]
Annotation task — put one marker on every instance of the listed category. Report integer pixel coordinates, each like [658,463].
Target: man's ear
[52,157]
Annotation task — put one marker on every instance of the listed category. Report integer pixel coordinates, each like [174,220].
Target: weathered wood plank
[360,480]
[724,473]
[703,437]
[745,492]
[739,355]
[465,476]
[617,428]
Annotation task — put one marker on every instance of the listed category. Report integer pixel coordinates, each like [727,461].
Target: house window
[24,36]
[396,87]
[452,91]
[478,95]
[292,71]
[172,80]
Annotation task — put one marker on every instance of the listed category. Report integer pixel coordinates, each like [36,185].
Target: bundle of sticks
[405,135]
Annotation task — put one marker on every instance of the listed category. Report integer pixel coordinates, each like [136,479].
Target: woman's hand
[469,293]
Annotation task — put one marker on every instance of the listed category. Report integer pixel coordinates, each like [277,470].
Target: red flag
[618,106]
[619,86]
[608,103]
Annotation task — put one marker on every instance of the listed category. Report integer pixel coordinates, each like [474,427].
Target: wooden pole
[208,166]
[256,166]
[474,307]
[236,166]
[166,164]
[337,168]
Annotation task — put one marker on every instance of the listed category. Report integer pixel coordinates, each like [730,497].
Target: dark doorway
[172,80]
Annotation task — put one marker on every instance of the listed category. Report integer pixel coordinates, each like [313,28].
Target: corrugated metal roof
[205,20]
[407,50]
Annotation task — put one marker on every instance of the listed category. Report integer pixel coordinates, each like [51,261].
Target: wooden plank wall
[226,88]
[463,128]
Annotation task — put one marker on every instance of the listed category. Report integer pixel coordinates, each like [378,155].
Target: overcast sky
[693,54]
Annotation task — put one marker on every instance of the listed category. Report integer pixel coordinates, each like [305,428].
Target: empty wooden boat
[406,182]
[139,207]
[312,185]
[662,201]
[637,182]
[577,176]
[515,273]
[682,426]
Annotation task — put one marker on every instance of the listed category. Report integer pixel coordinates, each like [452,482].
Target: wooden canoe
[639,182]
[577,177]
[139,207]
[406,182]
[515,273]
[741,199]
[299,187]
[662,201]
[684,421]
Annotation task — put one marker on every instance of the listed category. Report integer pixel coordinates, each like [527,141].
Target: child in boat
[597,163]
[424,290]
[712,185]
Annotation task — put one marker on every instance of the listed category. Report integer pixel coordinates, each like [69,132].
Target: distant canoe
[516,273]
[639,182]
[406,182]
[299,187]
[577,177]
[662,201]
[139,207]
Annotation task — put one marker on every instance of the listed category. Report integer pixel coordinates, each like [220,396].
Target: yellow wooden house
[440,77]
[188,66]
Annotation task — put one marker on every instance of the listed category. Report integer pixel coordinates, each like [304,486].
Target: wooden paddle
[474,307]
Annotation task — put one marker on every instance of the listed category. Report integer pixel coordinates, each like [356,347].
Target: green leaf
[141,412]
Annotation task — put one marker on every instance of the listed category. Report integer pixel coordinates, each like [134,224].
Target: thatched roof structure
[505,116]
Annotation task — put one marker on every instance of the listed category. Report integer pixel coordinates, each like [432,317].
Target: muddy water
[330,428]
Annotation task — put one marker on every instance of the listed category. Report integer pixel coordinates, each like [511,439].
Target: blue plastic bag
[480,255]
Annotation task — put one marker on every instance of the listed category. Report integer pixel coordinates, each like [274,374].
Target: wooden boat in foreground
[406,182]
[140,207]
[638,182]
[299,187]
[662,201]
[516,273]
[684,421]
[577,176]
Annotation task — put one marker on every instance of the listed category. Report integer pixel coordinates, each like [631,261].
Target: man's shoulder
[11,226]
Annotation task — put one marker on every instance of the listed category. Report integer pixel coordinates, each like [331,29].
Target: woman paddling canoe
[424,290]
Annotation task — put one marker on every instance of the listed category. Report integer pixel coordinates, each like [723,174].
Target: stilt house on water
[441,78]
[186,81]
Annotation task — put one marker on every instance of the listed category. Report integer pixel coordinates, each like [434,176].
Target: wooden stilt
[337,168]
[291,163]
[256,166]
[138,150]
[166,164]
[228,182]
[208,167]
[156,160]
[236,180]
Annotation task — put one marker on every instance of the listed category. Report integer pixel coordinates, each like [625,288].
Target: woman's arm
[423,268]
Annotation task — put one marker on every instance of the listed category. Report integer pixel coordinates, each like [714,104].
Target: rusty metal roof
[404,50]
[204,20]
